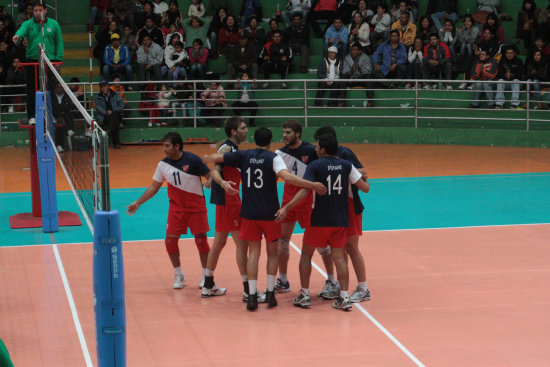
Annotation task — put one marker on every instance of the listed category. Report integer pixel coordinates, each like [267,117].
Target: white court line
[369,316]
[69,294]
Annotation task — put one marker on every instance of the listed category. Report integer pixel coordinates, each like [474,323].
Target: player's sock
[252,286]
[245,287]
[208,272]
[209,282]
[271,282]
[204,271]
[244,278]
[344,294]
[178,270]
[362,286]
[283,277]
[331,278]
[305,291]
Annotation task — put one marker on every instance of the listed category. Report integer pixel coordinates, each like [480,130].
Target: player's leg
[362,292]
[283,250]
[272,262]
[172,248]
[209,289]
[201,241]
[303,299]
[339,256]
[198,224]
[331,289]
[241,255]
[254,250]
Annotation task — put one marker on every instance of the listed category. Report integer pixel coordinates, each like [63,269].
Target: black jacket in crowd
[275,51]
[155,33]
[537,70]
[300,34]
[515,66]
[250,55]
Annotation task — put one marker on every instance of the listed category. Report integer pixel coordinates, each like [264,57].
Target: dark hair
[429,21]
[262,137]
[294,125]
[38,3]
[194,17]
[74,79]
[232,123]
[324,130]
[395,31]
[275,32]
[299,15]
[179,43]
[434,35]
[174,139]
[273,20]
[358,45]
[448,21]
[198,40]
[329,143]
[110,10]
[406,12]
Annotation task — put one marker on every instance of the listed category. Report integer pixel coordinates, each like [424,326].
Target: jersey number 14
[336,186]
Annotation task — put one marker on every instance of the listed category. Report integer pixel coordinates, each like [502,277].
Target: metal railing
[414,107]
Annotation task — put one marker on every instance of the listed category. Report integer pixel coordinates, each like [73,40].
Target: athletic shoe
[179,280]
[342,304]
[281,287]
[212,292]
[201,283]
[331,290]
[32,121]
[284,86]
[427,86]
[434,86]
[449,87]
[270,299]
[473,106]
[259,296]
[150,124]
[471,87]
[252,302]
[265,85]
[359,295]
[302,300]
[59,148]
[10,109]
[462,86]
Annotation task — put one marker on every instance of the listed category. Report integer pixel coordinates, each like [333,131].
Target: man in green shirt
[53,43]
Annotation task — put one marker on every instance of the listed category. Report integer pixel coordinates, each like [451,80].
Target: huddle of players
[332,226]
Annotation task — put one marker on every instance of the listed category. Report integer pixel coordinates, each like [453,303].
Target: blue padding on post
[46,168]
[109,303]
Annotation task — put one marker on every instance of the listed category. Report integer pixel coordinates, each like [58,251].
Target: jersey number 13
[258,180]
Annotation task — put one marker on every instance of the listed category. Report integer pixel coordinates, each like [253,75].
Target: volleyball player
[329,217]
[260,169]
[355,228]
[297,154]
[182,171]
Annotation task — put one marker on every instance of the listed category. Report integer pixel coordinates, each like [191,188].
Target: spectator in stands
[109,107]
[437,59]
[296,7]
[390,60]
[527,22]
[109,17]
[148,104]
[27,14]
[243,58]
[541,46]
[297,37]
[129,39]
[163,104]
[273,26]
[215,26]
[116,58]
[467,36]
[245,100]
[195,28]
[359,31]
[213,100]
[346,9]
[483,9]
[228,35]
[198,58]
[357,65]
[148,11]
[5,34]
[196,9]
[15,75]
[76,89]
[323,10]
[537,72]
[406,28]
[489,44]
[152,31]
[496,28]
[184,100]
[329,71]
[5,55]
[256,35]
[173,15]
[510,68]
[125,11]
[381,22]
[416,54]
[173,30]
[426,28]
[160,7]
[119,88]
[149,60]
[249,9]
[484,69]
[176,60]
[449,36]
[337,35]
[400,9]
[364,10]
[103,39]
[441,10]
[98,9]
[62,116]
[215,5]
[276,56]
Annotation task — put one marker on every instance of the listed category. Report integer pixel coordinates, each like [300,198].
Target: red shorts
[355,227]
[228,218]
[302,217]
[252,230]
[179,221]
[334,237]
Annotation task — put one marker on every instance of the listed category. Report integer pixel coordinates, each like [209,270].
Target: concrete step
[75,37]
[77,54]
[68,72]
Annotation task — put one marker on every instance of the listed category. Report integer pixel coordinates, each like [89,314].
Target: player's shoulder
[190,156]
[227,147]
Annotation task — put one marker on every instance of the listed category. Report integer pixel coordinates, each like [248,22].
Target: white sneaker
[179,281]
[434,86]
[259,296]
[331,290]
[212,292]
[59,148]
[470,87]
[32,121]
[462,86]
[449,87]
[10,109]
[150,124]
[265,85]
[360,295]
[427,86]
[70,133]
[201,283]
[283,85]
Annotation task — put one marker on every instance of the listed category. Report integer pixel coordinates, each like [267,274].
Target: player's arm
[282,213]
[228,186]
[148,194]
[318,187]
[213,158]
[358,179]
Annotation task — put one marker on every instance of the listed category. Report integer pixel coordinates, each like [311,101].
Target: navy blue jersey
[259,169]
[348,155]
[218,195]
[331,209]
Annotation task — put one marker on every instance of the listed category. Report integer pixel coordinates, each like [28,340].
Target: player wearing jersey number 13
[260,169]
[329,217]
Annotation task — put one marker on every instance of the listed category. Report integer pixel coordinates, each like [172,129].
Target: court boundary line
[369,316]
[368,231]
[78,326]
